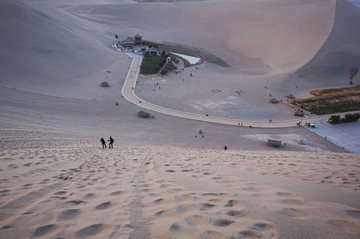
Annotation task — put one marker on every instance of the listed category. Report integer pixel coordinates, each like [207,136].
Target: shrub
[334,119]
[104,84]
[143,114]
[351,117]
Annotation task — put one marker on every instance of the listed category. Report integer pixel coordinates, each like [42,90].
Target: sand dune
[340,52]
[48,51]
[71,189]
[251,40]
[56,181]
[63,48]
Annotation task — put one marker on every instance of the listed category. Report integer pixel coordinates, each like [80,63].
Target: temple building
[131,41]
[138,40]
[127,43]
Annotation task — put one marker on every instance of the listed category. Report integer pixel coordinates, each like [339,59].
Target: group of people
[111,142]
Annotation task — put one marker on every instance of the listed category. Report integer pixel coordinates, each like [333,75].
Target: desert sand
[69,188]
[163,179]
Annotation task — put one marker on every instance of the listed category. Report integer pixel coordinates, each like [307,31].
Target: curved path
[128,92]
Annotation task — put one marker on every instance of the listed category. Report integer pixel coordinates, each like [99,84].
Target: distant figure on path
[102,140]
[111,141]
[225,147]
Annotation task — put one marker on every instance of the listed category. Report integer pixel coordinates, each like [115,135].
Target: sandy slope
[58,47]
[66,188]
[56,182]
[48,51]
[250,36]
[101,118]
[340,52]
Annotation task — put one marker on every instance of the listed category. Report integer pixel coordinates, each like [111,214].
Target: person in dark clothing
[111,141]
[225,147]
[102,140]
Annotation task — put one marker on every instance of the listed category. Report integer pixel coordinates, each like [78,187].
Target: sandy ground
[101,118]
[163,179]
[69,188]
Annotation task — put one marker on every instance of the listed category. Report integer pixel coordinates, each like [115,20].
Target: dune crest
[340,52]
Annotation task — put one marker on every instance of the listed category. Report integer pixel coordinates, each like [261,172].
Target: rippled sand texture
[69,188]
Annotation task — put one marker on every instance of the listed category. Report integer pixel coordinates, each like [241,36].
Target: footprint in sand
[104,205]
[220,222]
[345,225]
[116,193]
[158,201]
[4,192]
[60,193]
[196,220]
[164,185]
[284,194]
[90,230]
[44,181]
[76,202]
[210,234]
[206,206]
[186,170]
[296,213]
[353,213]
[233,203]
[12,166]
[248,234]
[69,214]
[41,231]
[6,227]
[235,213]
[210,194]
[175,227]
[261,226]
[259,230]
[165,213]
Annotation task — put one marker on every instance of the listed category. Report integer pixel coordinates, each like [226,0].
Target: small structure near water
[136,45]
[130,42]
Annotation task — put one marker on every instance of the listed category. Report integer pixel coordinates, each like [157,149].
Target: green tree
[334,119]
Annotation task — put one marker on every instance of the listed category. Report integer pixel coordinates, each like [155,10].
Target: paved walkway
[346,135]
[128,92]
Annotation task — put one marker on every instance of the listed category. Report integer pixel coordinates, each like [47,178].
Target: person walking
[225,147]
[111,142]
[102,140]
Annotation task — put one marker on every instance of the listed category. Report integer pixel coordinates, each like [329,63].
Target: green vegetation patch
[336,119]
[152,65]
[330,101]
[178,49]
